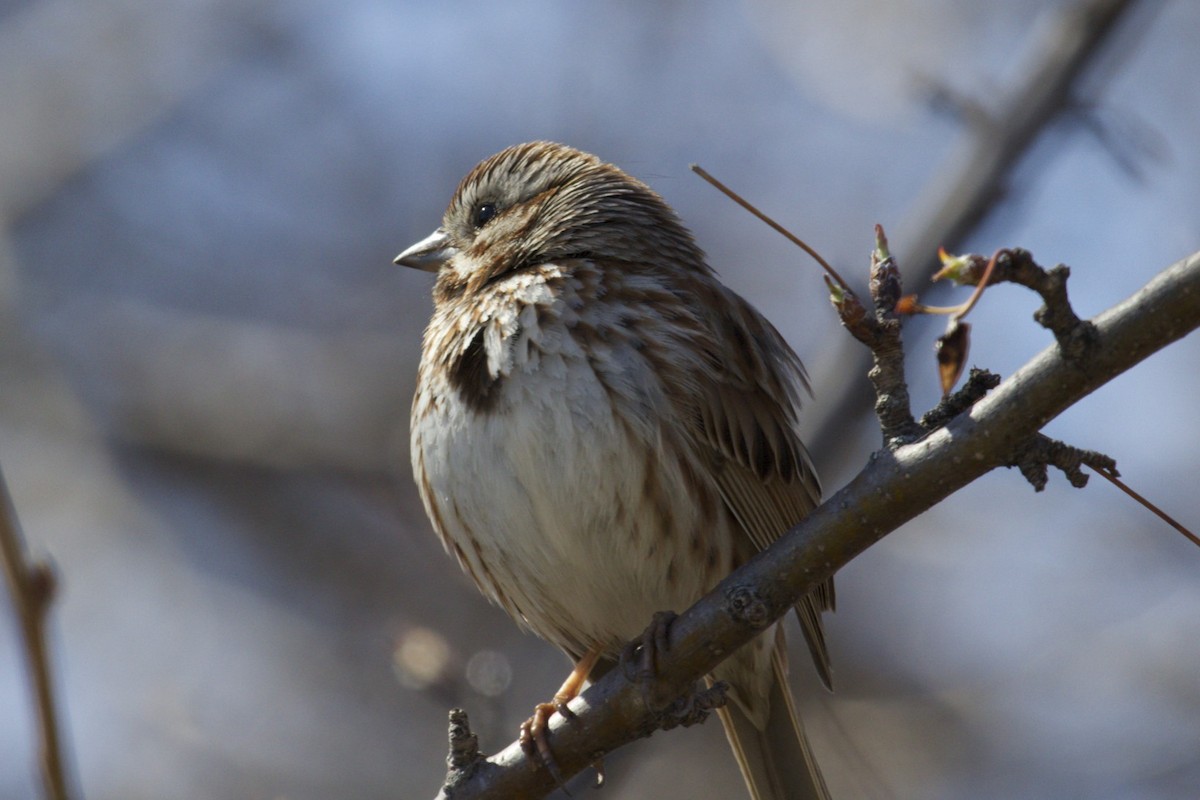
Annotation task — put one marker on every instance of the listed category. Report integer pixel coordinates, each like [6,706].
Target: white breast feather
[541,486]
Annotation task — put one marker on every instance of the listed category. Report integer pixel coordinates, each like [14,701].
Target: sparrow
[602,430]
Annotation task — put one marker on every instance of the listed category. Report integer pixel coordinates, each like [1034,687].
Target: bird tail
[776,760]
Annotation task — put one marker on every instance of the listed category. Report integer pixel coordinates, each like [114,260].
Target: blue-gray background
[207,359]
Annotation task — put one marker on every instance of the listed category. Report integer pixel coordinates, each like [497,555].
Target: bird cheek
[449,286]
[485,266]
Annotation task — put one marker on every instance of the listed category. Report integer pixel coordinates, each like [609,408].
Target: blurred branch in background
[177,368]
[974,176]
[31,584]
[99,96]
[80,96]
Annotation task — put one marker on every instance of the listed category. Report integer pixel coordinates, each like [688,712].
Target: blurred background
[207,359]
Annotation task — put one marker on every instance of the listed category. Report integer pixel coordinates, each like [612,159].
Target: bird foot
[535,740]
[535,731]
[639,658]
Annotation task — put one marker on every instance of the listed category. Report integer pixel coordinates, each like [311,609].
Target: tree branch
[896,486]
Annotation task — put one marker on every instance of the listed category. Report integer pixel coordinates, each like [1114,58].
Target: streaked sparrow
[603,430]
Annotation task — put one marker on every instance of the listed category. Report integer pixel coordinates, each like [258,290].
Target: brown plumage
[602,430]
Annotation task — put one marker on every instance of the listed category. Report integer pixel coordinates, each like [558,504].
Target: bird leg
[535,730]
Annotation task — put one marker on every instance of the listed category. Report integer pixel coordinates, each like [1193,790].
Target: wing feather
[746,422]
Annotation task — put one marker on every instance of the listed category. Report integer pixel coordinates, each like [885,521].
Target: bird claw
[535,741]
[535,731]
[694,707]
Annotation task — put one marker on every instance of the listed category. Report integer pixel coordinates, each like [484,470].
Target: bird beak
[428,254]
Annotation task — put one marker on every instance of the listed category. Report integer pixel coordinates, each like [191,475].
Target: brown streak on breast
[654,496]
[468,374]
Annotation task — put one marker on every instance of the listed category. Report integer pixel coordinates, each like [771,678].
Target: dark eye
[484,213]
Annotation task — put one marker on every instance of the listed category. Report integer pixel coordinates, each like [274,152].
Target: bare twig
[979,383]
[464,753]
[897,485]
[32,587]
[1110,475]
[791,237]
[1011,265]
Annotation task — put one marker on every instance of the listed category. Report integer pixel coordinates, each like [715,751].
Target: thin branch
[753,209]
[1110,475]
[1067,46]
[32,587]
[897,485]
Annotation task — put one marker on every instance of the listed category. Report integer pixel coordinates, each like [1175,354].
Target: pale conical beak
[428,254]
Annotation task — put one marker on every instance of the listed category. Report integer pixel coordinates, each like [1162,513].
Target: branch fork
[881,332]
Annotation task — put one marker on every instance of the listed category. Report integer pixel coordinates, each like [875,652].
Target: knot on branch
[747,606]
[1042,452]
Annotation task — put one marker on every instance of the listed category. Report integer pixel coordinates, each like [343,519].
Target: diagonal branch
[896,486]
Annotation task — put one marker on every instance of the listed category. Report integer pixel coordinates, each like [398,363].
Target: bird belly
[580,524]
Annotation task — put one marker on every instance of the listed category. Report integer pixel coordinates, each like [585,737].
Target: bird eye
[484,213]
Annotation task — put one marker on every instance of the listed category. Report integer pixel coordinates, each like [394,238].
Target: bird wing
[746,418]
